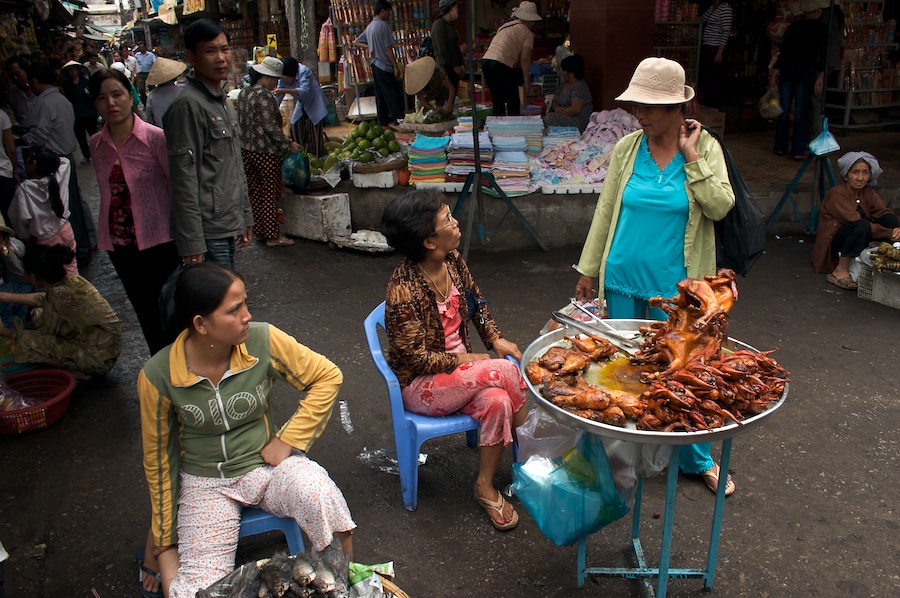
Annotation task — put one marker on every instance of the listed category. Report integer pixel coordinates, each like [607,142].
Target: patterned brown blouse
[413,323]
[260,121]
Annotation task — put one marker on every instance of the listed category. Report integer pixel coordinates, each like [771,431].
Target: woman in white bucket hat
[653,226]
[262,145]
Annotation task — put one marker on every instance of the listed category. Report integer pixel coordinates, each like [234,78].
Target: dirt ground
[815,512]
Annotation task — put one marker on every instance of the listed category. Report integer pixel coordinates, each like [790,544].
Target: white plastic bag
[770,104]
[824,143]
[542,435]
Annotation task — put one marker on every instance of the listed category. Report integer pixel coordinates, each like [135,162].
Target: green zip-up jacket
[189,425]
[710,197]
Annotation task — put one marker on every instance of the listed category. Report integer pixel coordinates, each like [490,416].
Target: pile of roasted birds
[692,383]
[886,257]
[283,576]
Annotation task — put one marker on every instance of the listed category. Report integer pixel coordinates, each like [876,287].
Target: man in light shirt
[145,60]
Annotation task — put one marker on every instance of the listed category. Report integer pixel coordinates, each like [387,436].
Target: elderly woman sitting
[426,318]
[851,216]
[573,104]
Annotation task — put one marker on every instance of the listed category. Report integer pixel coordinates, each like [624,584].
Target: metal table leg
[664,571]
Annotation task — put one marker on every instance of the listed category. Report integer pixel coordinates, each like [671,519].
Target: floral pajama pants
[491,391]
[264,188]
[209,515]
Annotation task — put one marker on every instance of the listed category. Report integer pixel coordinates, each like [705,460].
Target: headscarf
[846,162]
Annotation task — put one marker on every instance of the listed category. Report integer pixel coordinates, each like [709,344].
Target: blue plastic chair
[256,521]
[411,429]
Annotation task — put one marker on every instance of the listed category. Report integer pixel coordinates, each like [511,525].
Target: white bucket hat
[120,66]
[527,11]
[270,66]
[657,81]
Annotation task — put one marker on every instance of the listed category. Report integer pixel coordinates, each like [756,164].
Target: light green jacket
[709,195]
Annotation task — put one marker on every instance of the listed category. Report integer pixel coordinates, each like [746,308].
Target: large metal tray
[631,433]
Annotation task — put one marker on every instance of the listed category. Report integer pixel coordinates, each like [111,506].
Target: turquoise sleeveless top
[647,254]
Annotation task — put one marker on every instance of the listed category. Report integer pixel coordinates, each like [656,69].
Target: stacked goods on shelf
[529,127]
[553,136]
[511,171]
[240,33]
[410,23]
[427,159]
[461,155]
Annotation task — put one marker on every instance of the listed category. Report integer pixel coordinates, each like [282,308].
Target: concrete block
[316,217]
[376,180]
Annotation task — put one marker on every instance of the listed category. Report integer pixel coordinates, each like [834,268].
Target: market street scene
[440,298]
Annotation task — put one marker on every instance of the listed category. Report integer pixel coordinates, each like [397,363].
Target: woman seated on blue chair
[426,319]
[210,445]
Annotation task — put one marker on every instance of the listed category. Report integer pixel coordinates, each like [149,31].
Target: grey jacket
[209,188]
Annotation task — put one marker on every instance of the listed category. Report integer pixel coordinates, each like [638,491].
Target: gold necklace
[434,284]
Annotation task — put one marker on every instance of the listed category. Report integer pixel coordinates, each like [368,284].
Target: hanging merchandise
[327,47]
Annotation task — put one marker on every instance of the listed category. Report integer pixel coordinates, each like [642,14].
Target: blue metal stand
[823,169]
[510,208]
[664,572]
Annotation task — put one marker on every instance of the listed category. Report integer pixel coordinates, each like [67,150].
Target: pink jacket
[145,162]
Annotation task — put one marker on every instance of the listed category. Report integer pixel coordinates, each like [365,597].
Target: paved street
[815,512]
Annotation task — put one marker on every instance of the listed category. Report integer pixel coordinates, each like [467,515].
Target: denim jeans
[800,92]
[220,250]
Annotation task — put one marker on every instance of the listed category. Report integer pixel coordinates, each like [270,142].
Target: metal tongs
[624,341]
[625,335]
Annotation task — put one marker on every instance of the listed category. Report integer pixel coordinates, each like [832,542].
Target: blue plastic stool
[256,521]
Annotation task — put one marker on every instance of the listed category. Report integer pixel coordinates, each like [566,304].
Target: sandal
[139,555]
[282,242]
[711,478]
[497,505]
[844,283]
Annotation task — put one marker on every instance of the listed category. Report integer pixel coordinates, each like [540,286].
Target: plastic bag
[824,143]
[542,435]
[630,460]
[571,496]
[741,234]
[770,104]
[295,170]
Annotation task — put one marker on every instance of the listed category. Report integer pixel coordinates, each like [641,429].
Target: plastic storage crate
[880,287]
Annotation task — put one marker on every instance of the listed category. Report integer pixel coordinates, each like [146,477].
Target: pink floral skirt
[491,391]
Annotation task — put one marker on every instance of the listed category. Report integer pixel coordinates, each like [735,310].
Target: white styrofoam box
[445,187]
[316,217]
[377,180]
[362,108]
[571,189]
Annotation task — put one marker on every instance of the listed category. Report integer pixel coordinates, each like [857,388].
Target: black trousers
[852,238]
[712,77]
[85,126]
[7,190]
[143,274]
[388,99]
[504,86]
[81,220]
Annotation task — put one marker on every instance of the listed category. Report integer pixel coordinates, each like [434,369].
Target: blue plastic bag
[572,496]
[295,170]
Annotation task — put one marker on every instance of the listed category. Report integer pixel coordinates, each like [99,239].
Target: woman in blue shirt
[653,225]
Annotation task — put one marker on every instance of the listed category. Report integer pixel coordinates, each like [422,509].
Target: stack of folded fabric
[463,123]
[427,159]
[511,171]
[461,155]
[553,136]
[510,144]
[529,127]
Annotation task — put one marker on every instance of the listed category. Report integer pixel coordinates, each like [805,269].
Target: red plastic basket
[52,386]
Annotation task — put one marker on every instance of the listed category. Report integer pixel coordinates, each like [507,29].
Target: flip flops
[281,242]
[139,556]
[845,283]
[711,478]
[497,506]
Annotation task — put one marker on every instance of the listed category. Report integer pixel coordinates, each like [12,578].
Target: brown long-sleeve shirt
[413,322]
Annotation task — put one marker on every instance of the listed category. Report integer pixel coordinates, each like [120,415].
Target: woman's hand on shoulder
[504,347]
[687,139]
[276,451]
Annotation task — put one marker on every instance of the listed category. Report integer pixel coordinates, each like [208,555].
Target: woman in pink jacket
[132,168]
